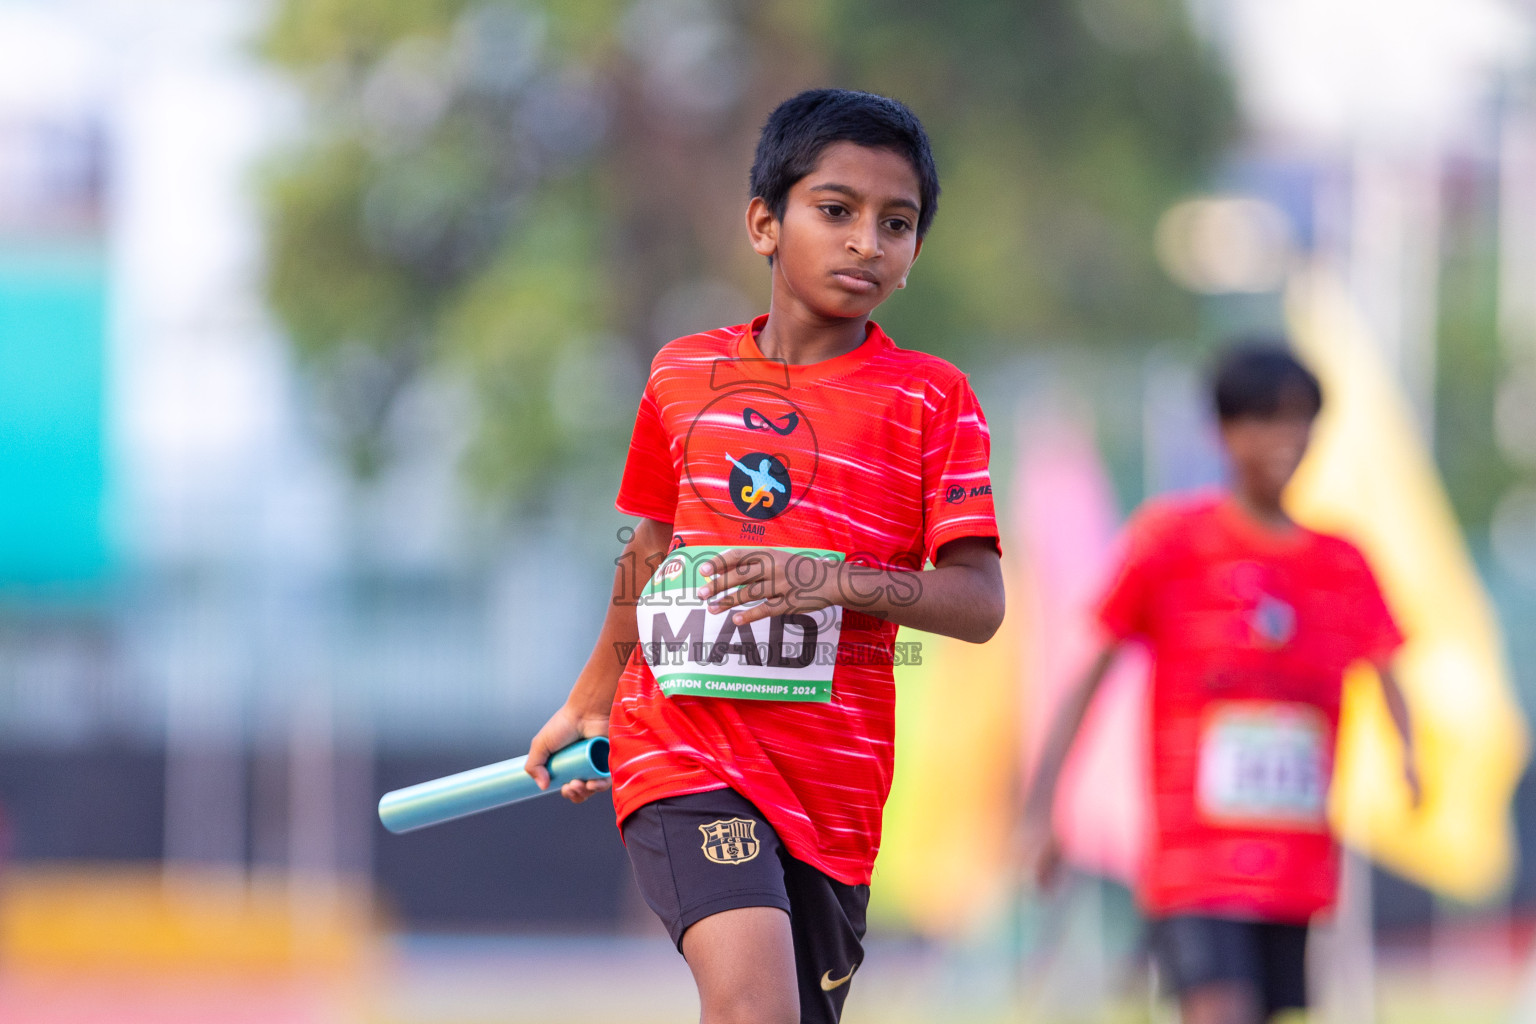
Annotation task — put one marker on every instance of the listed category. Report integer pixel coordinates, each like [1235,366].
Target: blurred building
[216,649]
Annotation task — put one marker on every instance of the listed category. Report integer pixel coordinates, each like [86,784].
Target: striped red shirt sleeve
[1125,608]
[649,487]
[957,483]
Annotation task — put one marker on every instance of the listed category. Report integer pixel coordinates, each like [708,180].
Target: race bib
[694,651]
[1265,764]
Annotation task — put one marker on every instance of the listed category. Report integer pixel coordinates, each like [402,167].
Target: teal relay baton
[495,785]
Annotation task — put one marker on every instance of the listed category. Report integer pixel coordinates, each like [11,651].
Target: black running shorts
[1192,951]
[701,854]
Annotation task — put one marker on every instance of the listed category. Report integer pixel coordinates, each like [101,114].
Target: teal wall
[52,375]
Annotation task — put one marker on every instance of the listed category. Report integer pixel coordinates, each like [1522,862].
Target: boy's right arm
[586,711]
[1039,835]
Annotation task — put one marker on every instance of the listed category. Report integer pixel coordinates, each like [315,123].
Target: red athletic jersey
[1251,631]
[880,454]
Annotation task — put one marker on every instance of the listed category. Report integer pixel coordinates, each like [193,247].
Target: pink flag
[1067,525]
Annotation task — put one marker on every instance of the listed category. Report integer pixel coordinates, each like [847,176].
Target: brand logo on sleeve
[956,494]
[731,841]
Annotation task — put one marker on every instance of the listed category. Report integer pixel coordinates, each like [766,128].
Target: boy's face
[1265,450]
[848,236]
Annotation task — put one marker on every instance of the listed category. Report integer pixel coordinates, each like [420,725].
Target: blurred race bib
[1264,764]
[694,651]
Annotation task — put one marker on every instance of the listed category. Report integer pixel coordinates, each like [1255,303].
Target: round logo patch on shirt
[759,485]
[1273,622]
[751,454]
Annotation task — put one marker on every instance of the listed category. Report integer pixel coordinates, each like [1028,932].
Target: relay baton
[495,785]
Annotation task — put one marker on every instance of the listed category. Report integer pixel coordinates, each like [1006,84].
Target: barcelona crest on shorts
[732,841]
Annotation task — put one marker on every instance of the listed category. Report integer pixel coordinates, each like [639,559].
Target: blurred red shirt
[1251,630]
[883,456]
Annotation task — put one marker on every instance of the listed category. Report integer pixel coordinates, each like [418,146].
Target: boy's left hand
[1037,848]
[784,581]
[1411,776]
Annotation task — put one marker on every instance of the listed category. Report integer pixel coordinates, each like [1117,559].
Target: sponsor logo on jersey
[784,426]
[759,485]
[731,841]
[744,419]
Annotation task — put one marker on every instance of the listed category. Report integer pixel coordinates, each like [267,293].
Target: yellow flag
[1368,477]
[947,823]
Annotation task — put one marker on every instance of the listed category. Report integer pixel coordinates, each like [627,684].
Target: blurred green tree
[530,196]
[1471,359]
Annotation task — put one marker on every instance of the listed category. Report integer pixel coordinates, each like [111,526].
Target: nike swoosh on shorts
[828,983]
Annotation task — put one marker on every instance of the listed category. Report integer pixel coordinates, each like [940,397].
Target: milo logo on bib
[692,650]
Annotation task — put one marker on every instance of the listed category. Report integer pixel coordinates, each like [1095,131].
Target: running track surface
[637,981]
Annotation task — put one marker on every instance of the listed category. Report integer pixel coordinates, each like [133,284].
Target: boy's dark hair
[1259,378]
[801,127]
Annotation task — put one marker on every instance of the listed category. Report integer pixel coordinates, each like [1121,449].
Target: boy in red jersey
[1252,621]
[795,473]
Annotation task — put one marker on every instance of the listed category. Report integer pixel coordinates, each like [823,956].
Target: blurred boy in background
[1252,621]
